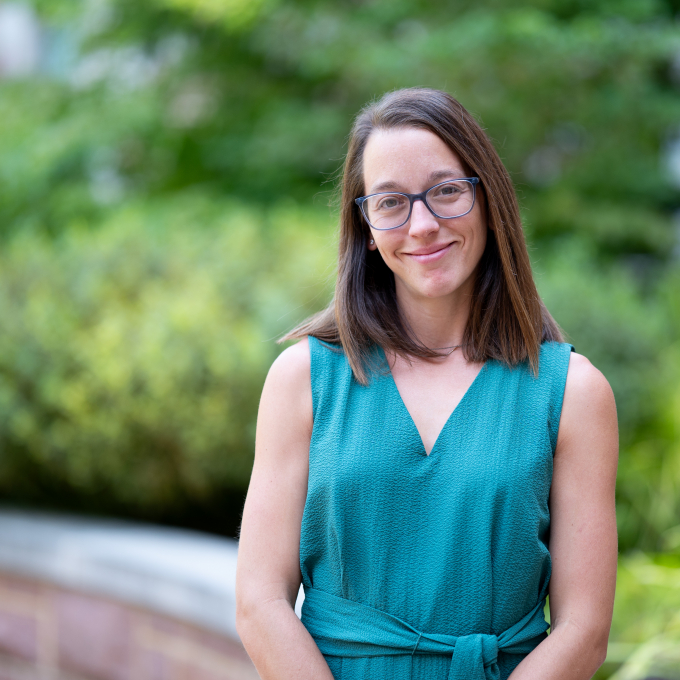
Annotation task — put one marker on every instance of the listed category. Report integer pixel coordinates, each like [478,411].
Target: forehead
[407,157]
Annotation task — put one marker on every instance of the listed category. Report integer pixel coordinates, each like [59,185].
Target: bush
[630,337]
[132,358]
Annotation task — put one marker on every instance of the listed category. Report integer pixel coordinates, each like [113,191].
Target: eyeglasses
[446,200]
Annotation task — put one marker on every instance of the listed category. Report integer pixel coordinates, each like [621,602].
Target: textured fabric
[418,566]
[375,633]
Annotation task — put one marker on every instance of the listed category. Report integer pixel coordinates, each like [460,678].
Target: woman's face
[430,257]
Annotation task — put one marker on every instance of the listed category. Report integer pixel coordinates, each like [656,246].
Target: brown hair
[508,321]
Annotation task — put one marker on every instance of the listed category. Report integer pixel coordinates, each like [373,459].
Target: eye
[448,190]
[390,202]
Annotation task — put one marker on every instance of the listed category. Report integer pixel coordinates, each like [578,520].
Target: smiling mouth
[431,255]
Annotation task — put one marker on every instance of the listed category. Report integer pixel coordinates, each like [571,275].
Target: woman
[431,459]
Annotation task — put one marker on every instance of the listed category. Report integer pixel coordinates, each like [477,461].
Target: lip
[430,254]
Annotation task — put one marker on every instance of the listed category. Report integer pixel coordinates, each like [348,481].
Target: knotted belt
[342,627]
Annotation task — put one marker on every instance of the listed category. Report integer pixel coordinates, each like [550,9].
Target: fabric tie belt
[341,627]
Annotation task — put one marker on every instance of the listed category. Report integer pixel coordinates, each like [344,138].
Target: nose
[422,222]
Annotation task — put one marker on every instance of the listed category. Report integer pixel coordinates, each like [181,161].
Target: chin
[441,283]
[438,289]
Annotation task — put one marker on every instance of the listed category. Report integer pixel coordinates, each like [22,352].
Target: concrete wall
[93,600]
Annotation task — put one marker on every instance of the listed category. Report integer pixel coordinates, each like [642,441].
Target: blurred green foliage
[163,188]
[135,354]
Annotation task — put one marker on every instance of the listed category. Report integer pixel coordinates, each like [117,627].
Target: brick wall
[51,633]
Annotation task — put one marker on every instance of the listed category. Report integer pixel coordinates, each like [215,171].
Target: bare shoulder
[586,385]
[286,402]
[293,366]
[588,408]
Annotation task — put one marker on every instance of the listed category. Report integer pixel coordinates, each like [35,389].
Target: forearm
[279,645]
[570,652]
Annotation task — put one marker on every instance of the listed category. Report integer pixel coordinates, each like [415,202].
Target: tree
[177,101]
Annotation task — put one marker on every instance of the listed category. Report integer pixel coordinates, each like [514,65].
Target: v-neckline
[423,450]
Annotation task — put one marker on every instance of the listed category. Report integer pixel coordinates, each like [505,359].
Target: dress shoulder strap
[330,374]
[552,373]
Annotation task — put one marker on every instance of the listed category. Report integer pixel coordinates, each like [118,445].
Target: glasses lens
[451,199]
[386,211]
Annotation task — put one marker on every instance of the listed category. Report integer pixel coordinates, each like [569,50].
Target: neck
[436,322]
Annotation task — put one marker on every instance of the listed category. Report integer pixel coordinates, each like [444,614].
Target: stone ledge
[84,599]
[72,636]
[185,574]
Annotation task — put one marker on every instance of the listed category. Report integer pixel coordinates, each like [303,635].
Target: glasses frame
[422,196]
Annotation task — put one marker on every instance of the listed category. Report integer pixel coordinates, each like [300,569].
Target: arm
[268,573]
[583,543]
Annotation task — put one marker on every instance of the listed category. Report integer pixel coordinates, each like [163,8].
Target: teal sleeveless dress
[420,567]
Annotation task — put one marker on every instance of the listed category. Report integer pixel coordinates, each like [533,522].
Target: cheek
[483,236]
[477,233]
[387,243]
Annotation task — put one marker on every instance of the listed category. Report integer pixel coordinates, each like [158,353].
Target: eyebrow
[434,177]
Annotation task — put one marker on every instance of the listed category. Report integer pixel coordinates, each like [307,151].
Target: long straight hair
[508,321]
